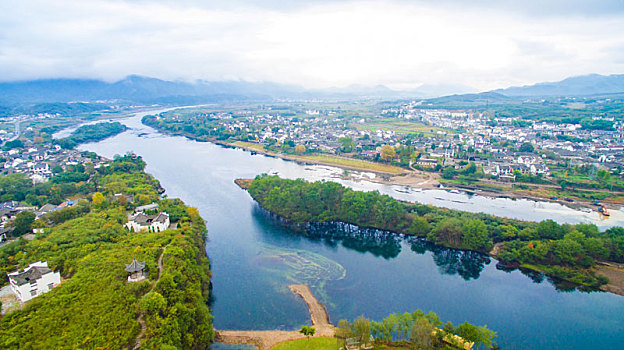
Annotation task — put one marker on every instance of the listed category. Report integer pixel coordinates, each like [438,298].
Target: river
[255,257]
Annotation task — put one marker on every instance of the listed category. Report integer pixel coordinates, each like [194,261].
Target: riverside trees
[565,251]
[417,329]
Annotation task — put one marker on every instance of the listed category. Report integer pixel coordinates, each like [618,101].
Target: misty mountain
[593,84]
[134,89]
[470,100]
[138,89]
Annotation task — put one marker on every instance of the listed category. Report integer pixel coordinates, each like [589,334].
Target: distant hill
[131,89]
[138,89]
[470,100]
[593,84]
[23,95]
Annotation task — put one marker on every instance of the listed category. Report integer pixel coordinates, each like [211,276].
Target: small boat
[553,198]
[568,199]
[406,189]
[604,211]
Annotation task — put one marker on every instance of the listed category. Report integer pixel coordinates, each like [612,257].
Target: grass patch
[402,127]
[352,163]
[331,160]
[317,343]
[249,145]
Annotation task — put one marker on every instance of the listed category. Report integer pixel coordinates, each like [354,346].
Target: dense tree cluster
[564,251]
[95,306]
[417,330]
[91,133]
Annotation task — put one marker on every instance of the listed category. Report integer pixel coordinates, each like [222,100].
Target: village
[425,138]
[39,163]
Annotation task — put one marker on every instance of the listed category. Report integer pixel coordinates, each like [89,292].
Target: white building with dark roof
[143,222]
[33,281]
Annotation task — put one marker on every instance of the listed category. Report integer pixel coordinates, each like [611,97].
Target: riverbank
[265,340]
[386,174]
[543,247]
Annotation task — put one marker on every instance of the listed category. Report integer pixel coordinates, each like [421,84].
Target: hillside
[592,84]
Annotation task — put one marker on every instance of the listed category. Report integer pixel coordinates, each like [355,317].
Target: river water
[362,272]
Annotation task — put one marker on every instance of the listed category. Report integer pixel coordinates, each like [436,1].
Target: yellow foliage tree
[388,153]
[98,199]
[300,149]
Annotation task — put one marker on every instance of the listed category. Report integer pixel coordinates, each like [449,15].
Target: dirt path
[265,340]
[137,341]
[318,314]
[616,279]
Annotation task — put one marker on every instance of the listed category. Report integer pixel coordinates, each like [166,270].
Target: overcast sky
[483,44]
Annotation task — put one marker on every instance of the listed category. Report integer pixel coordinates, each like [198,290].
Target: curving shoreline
[265,340]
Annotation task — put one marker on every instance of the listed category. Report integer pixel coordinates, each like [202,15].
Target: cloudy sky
[403,44]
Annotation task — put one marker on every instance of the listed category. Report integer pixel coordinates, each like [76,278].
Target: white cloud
[318,45]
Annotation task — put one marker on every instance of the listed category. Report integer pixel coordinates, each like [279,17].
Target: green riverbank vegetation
[567,252]
[416,330]
[95,307]
[91,133]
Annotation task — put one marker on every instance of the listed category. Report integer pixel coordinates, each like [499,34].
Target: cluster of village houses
[454,136]
[37,161]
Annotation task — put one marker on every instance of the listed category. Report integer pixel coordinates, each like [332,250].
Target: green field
[318,343]
[401,127]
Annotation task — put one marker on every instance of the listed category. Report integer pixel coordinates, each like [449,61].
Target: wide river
[255,257]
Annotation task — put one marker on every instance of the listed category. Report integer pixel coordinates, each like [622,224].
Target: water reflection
[467,264]
[464,263]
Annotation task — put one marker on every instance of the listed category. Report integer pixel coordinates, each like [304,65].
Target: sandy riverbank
[265,340]
[615,274]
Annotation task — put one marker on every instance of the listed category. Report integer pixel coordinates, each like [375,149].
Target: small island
[579,254]
[91,133]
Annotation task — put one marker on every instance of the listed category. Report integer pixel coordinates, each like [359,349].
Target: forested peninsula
[567,252]
[95,306]
[91,133]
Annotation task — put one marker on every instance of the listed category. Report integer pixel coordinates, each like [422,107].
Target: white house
[35,280]
[143,222]
[41,168]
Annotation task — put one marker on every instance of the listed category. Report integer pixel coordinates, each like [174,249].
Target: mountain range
[138,89]
[592,84]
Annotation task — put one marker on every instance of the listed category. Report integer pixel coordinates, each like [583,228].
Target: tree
[98,199]
[57,169]
[509,232]
[527,147]
[361,329]
[568,251]
[478,335]
[308,331]
[449,172]
[22,222]
[343,331]
[347,144]
[475,235]
[550,229]
[422,333]
[300,149]
[388,153]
